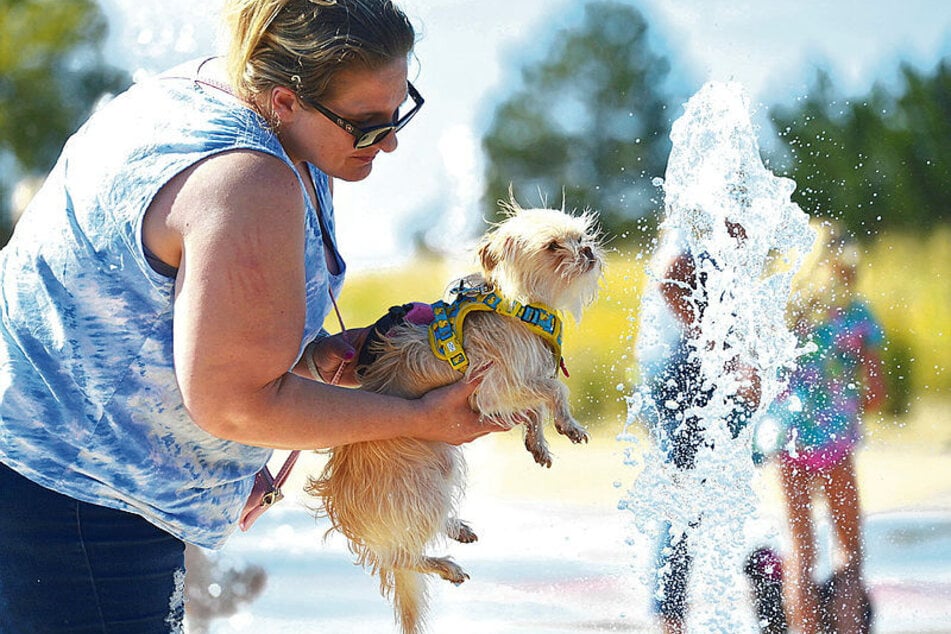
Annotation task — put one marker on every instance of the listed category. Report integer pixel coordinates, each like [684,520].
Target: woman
[832,387]
[162,306]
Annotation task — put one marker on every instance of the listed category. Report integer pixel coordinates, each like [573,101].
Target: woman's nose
[389,142]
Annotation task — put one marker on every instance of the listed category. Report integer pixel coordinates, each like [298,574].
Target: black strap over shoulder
[394,317]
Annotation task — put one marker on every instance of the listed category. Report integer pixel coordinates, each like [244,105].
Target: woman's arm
[240,311]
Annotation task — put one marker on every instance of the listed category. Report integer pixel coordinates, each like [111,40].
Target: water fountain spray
[706,379]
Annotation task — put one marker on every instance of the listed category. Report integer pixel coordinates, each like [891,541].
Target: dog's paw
[575,432]
[542,456]
[462,532]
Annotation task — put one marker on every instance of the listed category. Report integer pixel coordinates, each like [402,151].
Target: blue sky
[470,49]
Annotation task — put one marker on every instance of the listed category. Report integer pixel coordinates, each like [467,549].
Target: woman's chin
[354,173]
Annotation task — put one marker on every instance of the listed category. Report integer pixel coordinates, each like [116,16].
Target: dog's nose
[587,254]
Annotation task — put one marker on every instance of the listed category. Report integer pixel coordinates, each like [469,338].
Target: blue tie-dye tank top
[89,403]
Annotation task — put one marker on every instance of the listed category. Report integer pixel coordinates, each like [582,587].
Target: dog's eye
[553,246]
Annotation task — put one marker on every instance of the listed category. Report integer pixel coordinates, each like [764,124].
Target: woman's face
[363,97]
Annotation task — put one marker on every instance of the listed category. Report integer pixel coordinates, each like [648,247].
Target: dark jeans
[678,390]
[68,566]
[672,573]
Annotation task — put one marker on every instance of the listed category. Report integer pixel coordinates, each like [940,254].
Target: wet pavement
[547,568]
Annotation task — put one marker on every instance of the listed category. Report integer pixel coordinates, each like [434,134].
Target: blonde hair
[303,44]
[826,278]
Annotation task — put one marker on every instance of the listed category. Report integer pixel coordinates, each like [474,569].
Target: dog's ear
[493,251]
[488,256]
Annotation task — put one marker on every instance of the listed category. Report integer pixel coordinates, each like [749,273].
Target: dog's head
[546,256]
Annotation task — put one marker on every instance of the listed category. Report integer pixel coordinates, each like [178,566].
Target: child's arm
[874,380]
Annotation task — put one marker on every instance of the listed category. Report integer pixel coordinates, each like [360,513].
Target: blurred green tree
[52,73]
[588,124]
[875,162]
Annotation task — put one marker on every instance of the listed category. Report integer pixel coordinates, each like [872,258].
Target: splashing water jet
[746,239]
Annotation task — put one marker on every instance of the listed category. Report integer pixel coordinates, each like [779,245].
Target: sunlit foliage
[51,74]
[877,161]
[589,123]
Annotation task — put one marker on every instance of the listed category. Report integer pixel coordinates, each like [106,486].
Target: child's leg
[841,489]
[799,587]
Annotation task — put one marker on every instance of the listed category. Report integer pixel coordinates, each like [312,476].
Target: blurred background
[570,104]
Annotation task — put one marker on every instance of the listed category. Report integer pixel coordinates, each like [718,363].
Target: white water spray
[746,239]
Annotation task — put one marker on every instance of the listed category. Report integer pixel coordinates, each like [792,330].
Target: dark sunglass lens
[373,137]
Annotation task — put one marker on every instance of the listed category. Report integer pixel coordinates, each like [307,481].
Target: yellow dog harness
[445,332]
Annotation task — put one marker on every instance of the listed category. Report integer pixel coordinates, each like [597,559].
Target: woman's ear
[283,105]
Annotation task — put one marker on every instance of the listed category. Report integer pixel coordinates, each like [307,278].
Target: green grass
[907,281]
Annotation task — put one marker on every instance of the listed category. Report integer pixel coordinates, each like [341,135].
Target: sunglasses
[365,137]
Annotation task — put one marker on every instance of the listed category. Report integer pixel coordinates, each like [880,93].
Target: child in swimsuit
[833,386]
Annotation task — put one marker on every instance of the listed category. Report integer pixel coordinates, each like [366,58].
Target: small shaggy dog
[392,499]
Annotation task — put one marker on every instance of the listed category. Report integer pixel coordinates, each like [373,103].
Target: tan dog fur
[392,499]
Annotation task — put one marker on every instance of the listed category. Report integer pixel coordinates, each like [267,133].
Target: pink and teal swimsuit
[822,407]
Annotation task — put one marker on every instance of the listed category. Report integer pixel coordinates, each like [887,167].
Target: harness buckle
[460,288]
[272,497]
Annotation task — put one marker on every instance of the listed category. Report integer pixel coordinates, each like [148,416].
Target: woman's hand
[447,416]
[338,353]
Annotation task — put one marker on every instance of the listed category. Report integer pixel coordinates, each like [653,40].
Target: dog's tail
[410,598]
